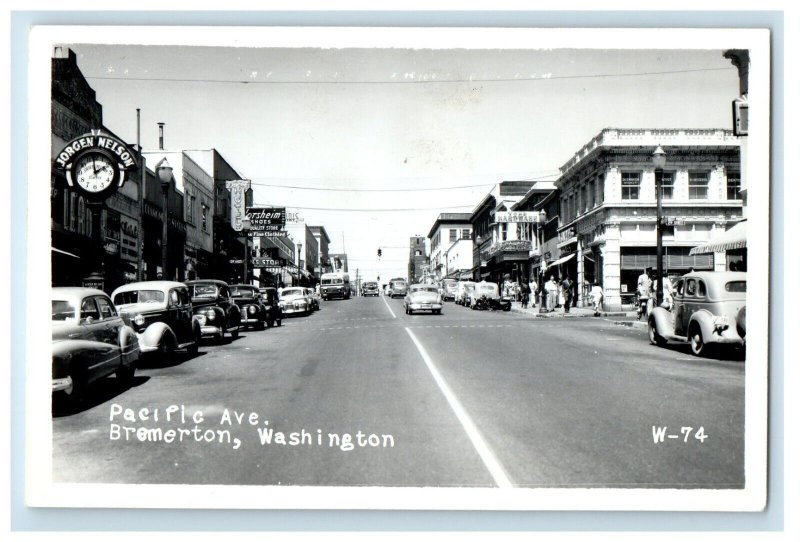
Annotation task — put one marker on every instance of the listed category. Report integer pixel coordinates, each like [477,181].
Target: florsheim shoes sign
[267,221]
[95,164]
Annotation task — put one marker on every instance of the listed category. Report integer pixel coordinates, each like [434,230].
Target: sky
[373,144]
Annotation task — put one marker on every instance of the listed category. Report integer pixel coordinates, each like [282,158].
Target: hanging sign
[267,221]
[238,190]
[526,217]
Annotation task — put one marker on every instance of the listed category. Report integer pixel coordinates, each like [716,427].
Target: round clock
[96,174]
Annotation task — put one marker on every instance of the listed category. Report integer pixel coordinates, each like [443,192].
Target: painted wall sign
[526,217]
[267,221]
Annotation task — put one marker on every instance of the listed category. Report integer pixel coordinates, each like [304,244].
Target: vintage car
[214,308]
[90,341]
[248,299]
[708,310]
[161,313]
[486,295]
[449,289]
[269,297]
[294,301]
[369,288]
[423,297]
[313,298]
[398,288]
[465,288]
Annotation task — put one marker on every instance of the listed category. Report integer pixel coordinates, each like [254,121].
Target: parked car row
[95,335]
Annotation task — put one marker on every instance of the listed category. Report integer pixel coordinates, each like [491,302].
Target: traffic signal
[380,252]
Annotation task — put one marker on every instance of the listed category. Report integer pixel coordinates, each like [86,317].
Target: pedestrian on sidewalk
[566,289]
[551,291]
[524,294]
[597,298]
[533,290]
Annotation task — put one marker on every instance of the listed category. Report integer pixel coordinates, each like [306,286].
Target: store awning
[561,260]
[734,238]
[64,252]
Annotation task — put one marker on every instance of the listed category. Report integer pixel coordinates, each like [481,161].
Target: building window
[667,185]
[466,234]
[453,235]
[734,185]
[630,185]
[190,205]
[589,195]
[204,217]
[698,185]
[598,191]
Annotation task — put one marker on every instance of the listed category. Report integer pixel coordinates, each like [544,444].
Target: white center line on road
[487,456]
[388,307]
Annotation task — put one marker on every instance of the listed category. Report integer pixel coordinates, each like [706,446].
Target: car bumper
[210,331]
[61,384]
[291,310]
[425,306]
[251,321]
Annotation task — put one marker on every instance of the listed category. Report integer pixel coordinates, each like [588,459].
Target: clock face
[94,172]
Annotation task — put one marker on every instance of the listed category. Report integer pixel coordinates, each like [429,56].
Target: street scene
[399,267]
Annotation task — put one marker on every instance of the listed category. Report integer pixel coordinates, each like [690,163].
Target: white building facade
[608,202]
[449,230]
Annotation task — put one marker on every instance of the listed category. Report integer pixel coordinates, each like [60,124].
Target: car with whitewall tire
[214,309]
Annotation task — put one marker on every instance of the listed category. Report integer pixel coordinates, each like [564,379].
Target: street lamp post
[245,230]
[659,161]
[542,262]
[300,262]
[164,172]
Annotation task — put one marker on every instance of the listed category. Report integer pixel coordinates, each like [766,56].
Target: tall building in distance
[447,259]
[418,267]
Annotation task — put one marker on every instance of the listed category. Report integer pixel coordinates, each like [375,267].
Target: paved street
[465,398]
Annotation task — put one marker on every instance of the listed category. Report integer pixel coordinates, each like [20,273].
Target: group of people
[646,290]
[527,293]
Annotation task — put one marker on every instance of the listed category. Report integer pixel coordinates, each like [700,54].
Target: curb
[531,314]
[636,324]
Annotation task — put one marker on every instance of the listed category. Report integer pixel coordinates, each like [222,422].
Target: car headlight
[211,314]
[252,309]
[138,320]
[201,319]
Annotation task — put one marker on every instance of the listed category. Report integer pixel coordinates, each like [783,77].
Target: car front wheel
[696,340]
[655,336]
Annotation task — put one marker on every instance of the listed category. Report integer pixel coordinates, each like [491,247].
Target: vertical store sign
[238,190]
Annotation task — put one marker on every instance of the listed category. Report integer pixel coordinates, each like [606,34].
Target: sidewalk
[574,312]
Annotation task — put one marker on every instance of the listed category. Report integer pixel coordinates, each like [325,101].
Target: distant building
[339,263]
[307,252]
[322,265]
[607,200]
[448,230]
[418,266]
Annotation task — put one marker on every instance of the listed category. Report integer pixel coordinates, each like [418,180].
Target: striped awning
[734,238]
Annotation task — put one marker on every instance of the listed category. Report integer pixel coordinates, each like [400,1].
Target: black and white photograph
[501,269]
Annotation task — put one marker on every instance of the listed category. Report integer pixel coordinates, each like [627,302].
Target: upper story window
[190,205]
[734,185]
[466,234]
[667,185]
[698,185]
[598,196]
[453,235]
[204,217]
[631,181]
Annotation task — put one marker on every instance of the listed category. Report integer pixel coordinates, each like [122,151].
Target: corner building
[607,202]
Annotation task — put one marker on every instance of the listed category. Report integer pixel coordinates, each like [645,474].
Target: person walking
[597,298]
[566,289]
[533,289]
[551,291]
[524,294]
[644,288]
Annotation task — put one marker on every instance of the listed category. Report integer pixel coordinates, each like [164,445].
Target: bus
[335,285]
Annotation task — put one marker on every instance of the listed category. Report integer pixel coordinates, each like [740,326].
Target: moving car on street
[449,289]
[708,310]
[465,288]
[269,297]
[248,299]
[486,295]
[214,308]
[398,288]
[423,297]
[294,301]
[313,298]
[160,311]
[90,341]
[369,288]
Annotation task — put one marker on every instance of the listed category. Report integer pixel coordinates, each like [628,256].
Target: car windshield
[292,291]
[203,290]
[371,285]
[139,296]
[63,310]
[243,291]
[332,281]
[736,286]
[486,287]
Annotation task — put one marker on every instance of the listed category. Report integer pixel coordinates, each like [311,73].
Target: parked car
[465,288]
[269,297]
[90,341]
[248,299]
[486,295]
[161,313]
[313,298]
[294,301]
[423,297]
[214,308]
[709,309]
[449,289]
[369,288]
